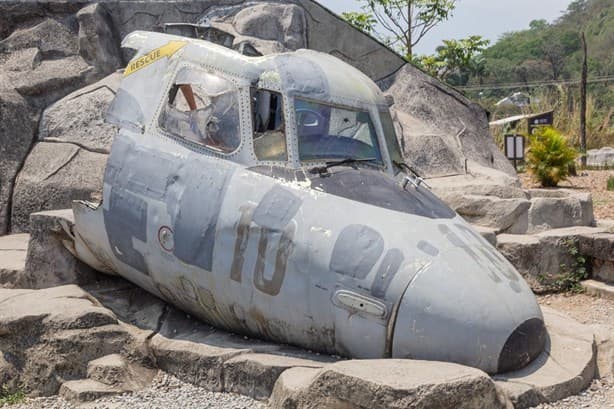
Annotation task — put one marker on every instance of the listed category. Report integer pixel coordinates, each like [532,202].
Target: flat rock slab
[255,375]
[87,390]
[598,289]
[13,250]
[48,336]
[538,257]
[389,383]
[565,368]
[49,263]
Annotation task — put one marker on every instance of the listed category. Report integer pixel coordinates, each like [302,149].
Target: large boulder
[98,42]
[390,383]
[49,336]
[547,257]
[51,37]
[79,118]
[441,131]
[54,175]
[268,27]
[603,157]
[488,211]
[16,135]
[553,209]
[49,263]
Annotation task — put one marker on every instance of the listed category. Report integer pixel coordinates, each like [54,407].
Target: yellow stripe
[165,51]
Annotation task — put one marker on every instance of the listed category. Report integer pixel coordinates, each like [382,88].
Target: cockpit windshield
[327,132]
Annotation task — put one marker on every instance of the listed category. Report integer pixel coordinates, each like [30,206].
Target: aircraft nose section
[480,315]
[523,345]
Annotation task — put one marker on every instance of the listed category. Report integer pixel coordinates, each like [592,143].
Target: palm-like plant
[549,157]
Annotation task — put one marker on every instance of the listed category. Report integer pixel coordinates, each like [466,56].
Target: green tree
[362,21]
[456,61]
[405,22]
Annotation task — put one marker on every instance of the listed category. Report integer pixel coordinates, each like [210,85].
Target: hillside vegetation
[545,62]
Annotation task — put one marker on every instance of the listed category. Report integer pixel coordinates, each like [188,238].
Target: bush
[11,398]
[549,157]
[611,183]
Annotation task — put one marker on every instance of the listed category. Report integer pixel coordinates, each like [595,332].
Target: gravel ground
[594,181]
[165,392]
[587,310]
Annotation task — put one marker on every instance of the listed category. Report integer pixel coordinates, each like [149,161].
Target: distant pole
[583,103]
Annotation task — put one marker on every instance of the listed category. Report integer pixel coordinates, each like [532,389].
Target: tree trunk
[408,36]
[583,103]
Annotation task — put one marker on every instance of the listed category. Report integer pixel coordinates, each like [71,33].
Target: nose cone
[470,306]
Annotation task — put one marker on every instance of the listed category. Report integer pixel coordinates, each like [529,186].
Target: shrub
[611,183]
[11,398]
[549,157]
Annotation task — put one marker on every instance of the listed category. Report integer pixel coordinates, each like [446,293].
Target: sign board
[545,119]
[514,148]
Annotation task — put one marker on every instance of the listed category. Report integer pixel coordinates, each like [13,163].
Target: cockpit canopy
[295,109]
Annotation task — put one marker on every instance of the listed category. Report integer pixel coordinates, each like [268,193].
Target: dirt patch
[594,181]
[581,307]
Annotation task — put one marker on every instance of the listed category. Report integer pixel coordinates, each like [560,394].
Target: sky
[488,18]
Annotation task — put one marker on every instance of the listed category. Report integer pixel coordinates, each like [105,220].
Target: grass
[11,398]
[610,183]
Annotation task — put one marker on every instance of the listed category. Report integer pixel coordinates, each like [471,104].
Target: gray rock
[54,175]
[254,375]
[52,38]
[553,210]
[603,245]
[16,136]
[480,181]
[488,233]
[598,289]
[78,118]
[539,257]
[50,335]
[488,211]
[438,122]
[603,157]
[197,363]
[268,27]
[49,263]
[98,44]
[13,250]
[604,338]
[52,79]
[87,390]
[386,383]
[21,60]
[114,370]
[603,269]
[565,368]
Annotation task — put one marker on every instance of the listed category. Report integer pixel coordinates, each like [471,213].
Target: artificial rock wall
[55,58]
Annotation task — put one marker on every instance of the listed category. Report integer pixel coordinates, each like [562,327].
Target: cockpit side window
[391,137]
[269,126]
[203,108]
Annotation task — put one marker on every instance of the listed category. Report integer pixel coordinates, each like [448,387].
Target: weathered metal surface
[349,261]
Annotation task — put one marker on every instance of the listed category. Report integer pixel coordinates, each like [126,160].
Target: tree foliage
[404,22]
[549,157]
[362,21]
[456,61]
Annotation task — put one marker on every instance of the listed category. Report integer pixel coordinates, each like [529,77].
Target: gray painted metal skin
[268,249]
